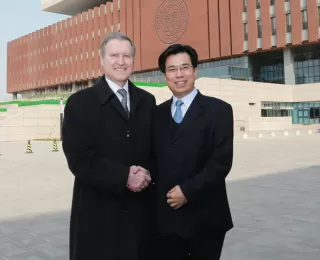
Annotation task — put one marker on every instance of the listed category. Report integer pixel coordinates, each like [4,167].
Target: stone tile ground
[273,188]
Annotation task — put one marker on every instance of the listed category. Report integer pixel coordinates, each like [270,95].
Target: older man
[107,136]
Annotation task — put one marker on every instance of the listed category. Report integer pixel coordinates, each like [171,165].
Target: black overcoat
[100,144]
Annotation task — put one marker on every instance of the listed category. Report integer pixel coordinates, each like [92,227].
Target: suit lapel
[107,95]
[194,112]
[118,107]
[164,123]
[135,99]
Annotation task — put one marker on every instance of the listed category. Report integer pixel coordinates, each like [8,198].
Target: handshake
[138,179]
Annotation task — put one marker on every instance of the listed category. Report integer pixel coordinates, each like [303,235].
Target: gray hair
[118,36]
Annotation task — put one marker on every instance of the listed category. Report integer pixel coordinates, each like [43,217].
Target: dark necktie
[123,93]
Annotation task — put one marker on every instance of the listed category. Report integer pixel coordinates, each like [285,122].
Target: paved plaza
[274,191]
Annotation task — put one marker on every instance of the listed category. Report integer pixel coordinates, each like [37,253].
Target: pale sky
[18,18]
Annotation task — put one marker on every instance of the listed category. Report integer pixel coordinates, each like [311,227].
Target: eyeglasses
[182,68]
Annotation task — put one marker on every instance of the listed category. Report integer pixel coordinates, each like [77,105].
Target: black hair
[175,49]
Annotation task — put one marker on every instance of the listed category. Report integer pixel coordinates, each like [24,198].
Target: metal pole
[61,117]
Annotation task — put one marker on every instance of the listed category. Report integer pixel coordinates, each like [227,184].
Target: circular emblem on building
[171,20]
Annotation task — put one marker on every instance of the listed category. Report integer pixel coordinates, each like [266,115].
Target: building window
[273,26]
[272,2]
[304,20]
[273,73]
[300,112]
[276,109]
[244,5]
[288,19]
[259,25]
[319,16]
[268,67]
[307,65]
[258,4]
[245,26]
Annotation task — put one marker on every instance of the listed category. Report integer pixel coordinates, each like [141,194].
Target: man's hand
[139,178]
[176,198]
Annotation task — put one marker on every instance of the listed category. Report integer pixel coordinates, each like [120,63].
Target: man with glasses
[194,154]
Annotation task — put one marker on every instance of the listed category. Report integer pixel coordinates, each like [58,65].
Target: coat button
[128,134]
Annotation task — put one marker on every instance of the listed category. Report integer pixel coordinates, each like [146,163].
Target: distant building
[272,41]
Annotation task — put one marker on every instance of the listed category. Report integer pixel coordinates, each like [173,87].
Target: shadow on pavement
[275,216]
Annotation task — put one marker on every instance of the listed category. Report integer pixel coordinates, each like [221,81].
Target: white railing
[303,4]
[287,7]
[259,43]
[289,37]
[273,40]
[272,10]
[305,35]
[245,45]
[258,14]
[244,16]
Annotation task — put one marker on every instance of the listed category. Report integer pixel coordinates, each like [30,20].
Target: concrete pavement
[273,190]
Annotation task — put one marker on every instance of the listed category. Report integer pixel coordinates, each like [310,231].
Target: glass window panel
[288,18]
[304,16]
[311,71]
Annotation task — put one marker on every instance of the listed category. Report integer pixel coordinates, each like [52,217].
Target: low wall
[29,123]
[43,121]
[270,123]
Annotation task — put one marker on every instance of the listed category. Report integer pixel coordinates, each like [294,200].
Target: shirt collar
[187,100]
[115,87]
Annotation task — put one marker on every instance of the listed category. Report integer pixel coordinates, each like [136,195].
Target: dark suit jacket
[198,157]
[100,143]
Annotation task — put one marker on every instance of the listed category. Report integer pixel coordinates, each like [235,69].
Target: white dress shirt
[115,89]
[187,100]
